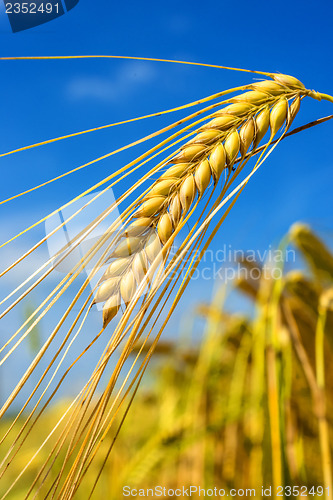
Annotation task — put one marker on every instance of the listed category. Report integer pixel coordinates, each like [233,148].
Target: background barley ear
[185,194]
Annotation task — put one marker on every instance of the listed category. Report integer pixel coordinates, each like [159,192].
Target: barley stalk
[214,148]
[221,143]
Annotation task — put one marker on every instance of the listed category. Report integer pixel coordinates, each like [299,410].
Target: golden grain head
[138,226]
[162,187]
[127,286]
[217,161]
[153,246]
[232,147]
[150,207]
[293,110]
[140,266]
[202,176]
[299,231]
[190,153]
[110,309]
[261,125]
[206,137]
[175,209]
[165,227]
[278,116]
[116,268]
[127,246]
[175,171]
[187,192]
[289,81]
[253,97]
[246,135]
[269,86]
[106,289]
[214,147]
[238,109]
[223,122]
[315,252]
[326,300]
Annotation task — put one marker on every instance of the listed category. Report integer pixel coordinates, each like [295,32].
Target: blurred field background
[246,403]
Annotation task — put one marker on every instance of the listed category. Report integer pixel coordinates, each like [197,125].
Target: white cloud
[111,88]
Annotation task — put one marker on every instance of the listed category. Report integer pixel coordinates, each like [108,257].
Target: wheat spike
[202,176]
[215,147]
[111,308]
[278,115]
[164,227]
[127,286]
[217,161]
[246,135]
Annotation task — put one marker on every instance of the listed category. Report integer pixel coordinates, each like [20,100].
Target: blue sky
[45,99]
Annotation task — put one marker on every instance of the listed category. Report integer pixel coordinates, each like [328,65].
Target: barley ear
[278,115]
[110,309]
[261,125]
[187,192]
[202,176]
[127,286]
[175,209]
[232,147]
[106,289]
[165,228]
[246,135]
[217,161]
